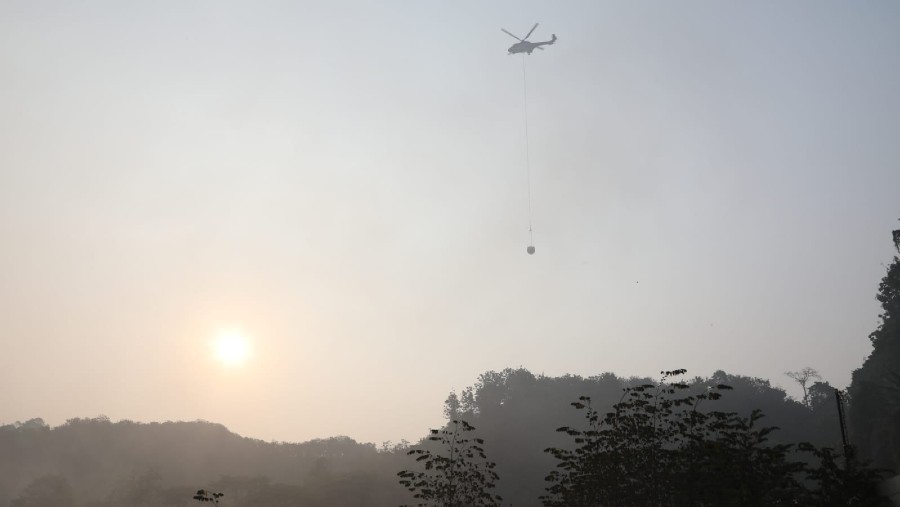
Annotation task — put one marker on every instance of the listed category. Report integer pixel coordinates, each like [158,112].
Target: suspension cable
[527,151]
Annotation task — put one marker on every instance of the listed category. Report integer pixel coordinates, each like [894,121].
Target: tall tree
[454,474]
[875,390]
[803,377]
[658,447]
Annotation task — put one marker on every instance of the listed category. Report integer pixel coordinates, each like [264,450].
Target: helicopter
[523,46]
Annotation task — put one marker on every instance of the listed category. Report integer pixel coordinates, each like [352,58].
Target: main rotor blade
[529,32]
[511,35]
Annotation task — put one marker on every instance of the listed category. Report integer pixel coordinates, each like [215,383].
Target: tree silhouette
[456,472]
[896,235]
[656,447]
[208,496]
[803,377]
[853,484]
[875,390]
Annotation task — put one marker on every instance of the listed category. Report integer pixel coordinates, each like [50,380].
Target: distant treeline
[98,463]
[517,413]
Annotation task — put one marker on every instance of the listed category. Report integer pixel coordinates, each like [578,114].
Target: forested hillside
[102,463]
[875,411]
[98,462]
[516,413]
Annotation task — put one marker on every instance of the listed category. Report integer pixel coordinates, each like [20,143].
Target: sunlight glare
[231,348]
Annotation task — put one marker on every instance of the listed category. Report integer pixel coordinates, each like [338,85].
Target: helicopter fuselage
[527,47]
[522,47]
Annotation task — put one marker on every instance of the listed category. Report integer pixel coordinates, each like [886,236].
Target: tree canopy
[875,390]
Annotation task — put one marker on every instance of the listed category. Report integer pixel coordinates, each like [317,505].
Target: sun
[231,348]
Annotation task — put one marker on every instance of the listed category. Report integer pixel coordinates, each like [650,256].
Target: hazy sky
[343,182]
